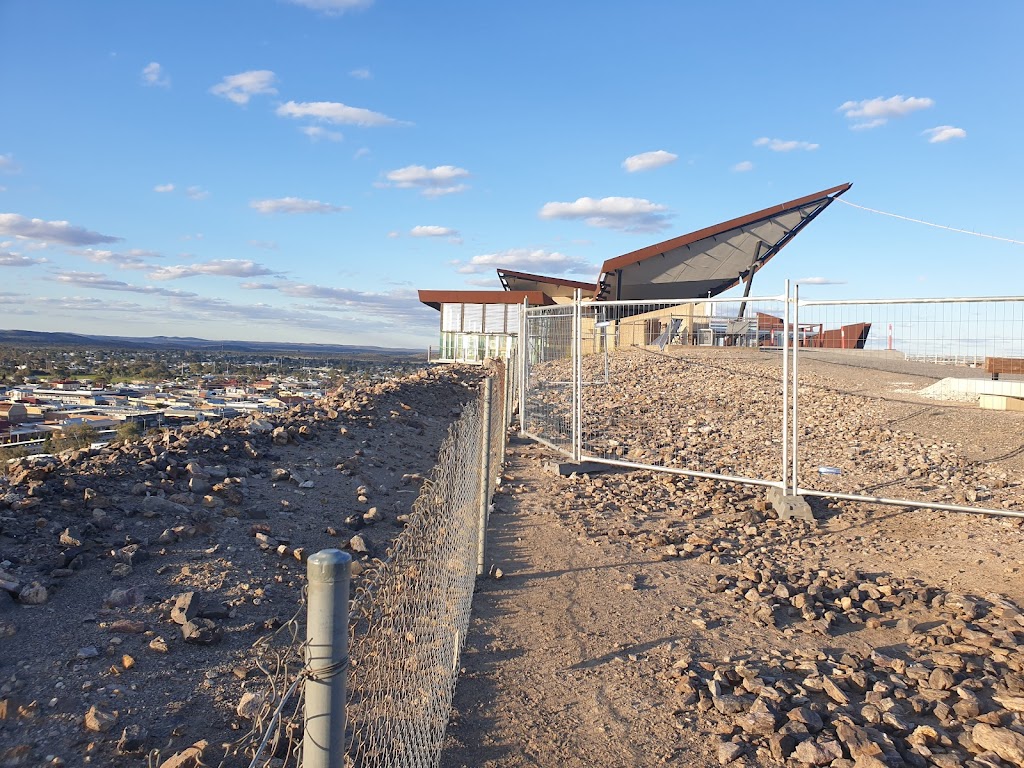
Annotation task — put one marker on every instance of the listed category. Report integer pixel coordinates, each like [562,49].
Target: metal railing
[782,392]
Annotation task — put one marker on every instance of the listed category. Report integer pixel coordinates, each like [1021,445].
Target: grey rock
[201,632]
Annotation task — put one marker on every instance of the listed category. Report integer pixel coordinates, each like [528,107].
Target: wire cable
[930,224]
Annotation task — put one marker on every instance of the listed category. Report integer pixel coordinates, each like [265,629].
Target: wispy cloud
[872,113]
[782,145]
[527,259]
[743,166]
[269,245]
[7,164]
[318,132]
[431,182]
[217,267]
[163,188]
[153,74]
[134,259]
[398,305]
[63,232]
[362,73]
[333,7]
[630,214]
[647,161]
[295,205]
[8,259]
[105,283]
[243,86]
[431,230]
[336,113]
[197,193]
[943,133]
[820,281]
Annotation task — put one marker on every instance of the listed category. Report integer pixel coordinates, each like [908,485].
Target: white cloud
[400,305]
[393,235]
[7,164]
[295,205]
[197,193]
[153,74]
[18,260]
[133,259]
[944,133]
[743,166]
[820,281]
[631,214]
[527,260]
[269,245]
[336,113]
[217,267]
[317,132]
[431,230]
[361,153]
[432,182]
[362,73]
[871,113]
[333,7]
[102,282]
[647,161]
[163,188]
[243,86]
[780,145]
[63,232]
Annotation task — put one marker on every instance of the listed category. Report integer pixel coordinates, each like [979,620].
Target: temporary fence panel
[547,413]
[694,387]
[889,395]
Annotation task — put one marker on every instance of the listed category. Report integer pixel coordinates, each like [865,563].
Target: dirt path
[561,648]
[615,639]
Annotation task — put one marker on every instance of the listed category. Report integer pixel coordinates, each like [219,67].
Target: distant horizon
[299,168]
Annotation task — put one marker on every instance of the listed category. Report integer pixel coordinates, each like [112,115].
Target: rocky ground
[645,618]
[147,590]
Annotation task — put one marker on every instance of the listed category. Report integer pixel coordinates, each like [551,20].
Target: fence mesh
[548,411]
[411,610]
[694,386]
[408,616]
[889,395]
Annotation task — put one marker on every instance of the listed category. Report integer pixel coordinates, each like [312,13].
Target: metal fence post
[785,393]
[323,739]
[485,475]
[796,390]
[524,363]
[577,375]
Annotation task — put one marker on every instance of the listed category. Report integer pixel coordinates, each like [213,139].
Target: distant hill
[41,338]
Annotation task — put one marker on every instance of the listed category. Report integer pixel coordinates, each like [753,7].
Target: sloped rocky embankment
[136,579]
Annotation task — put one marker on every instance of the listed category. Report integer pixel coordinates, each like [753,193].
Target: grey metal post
[485,475]
[323,740]
[785,393]
[524,363]
[577,375]
[796,386]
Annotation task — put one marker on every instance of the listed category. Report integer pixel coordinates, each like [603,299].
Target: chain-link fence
[408,614]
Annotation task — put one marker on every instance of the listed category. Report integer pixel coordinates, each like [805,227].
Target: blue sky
[294,170]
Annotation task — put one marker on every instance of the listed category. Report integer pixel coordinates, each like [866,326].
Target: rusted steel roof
[714,259]
[552,286]
[436,298]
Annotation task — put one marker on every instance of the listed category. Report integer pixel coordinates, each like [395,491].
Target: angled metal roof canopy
[552,286]
[711,260]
